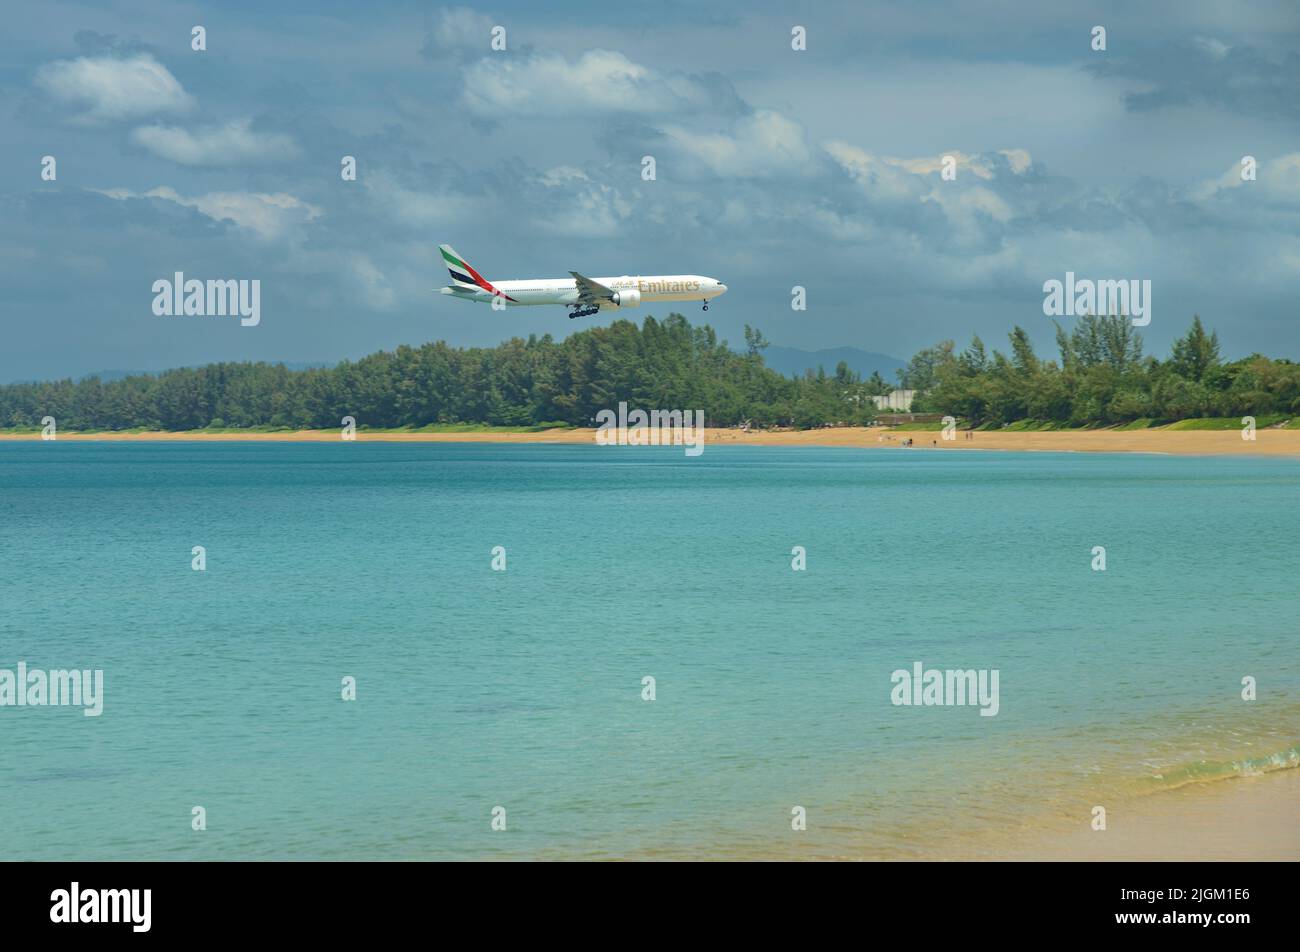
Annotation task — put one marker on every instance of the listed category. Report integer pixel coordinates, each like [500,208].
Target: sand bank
[1268,442]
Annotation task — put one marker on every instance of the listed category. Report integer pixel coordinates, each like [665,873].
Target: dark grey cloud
[1204,72]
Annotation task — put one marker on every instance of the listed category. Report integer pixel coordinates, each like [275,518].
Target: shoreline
[1246,818]
[1268,442]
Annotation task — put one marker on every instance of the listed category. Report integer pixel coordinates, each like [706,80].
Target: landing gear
[706,305]
[583,311]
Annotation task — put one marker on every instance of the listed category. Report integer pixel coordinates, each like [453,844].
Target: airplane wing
[591,292]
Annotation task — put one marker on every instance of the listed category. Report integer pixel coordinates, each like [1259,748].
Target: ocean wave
[1206,771]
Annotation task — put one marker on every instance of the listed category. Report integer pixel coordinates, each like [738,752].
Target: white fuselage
[659,287]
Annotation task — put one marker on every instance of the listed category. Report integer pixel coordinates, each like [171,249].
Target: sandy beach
[1245,818]
[1268,442]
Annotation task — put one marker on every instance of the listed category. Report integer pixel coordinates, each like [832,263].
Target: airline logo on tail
[463,274]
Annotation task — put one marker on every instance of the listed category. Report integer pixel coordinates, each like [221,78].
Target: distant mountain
[792,362]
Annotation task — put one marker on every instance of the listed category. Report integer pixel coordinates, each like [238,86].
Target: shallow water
[522,688]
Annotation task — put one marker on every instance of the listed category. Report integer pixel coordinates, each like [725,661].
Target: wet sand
[1245,818]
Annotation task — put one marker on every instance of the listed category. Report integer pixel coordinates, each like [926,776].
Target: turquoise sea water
[522,688]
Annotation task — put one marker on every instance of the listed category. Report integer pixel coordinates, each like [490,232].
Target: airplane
[583,295]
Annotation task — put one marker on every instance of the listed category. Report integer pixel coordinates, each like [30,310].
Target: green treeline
[1102,378]
[659,365]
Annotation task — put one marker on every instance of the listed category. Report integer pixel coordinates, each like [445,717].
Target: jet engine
[627,297]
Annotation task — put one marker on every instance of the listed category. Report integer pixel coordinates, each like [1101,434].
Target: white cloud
[1216,48]
[966,217]
[234,143]
[1019,159]
[109,88]
[420,208]
[599,81]
[562,200]
[982,166]
[372,284]
[882,177]
[1277,181]
[459,33]
[885,180]
[575,204]
[268,216]
[1282,176]
[760,144]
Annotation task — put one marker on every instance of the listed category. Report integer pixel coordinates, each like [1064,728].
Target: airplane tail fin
[461,272]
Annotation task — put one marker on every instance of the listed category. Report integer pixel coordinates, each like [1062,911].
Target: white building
[900,400]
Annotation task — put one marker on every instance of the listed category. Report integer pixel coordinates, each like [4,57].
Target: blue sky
[775,168]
